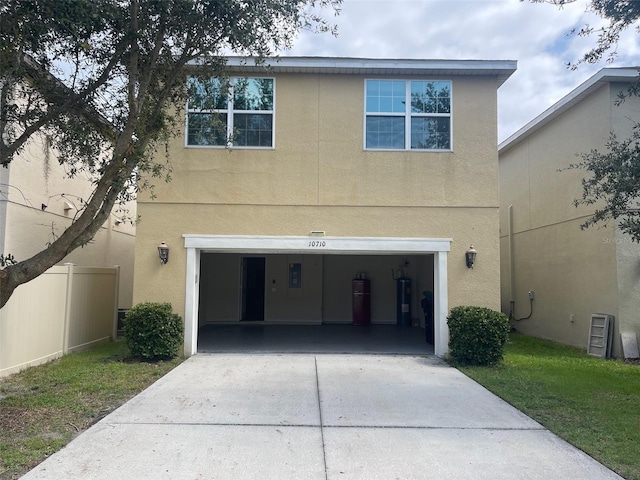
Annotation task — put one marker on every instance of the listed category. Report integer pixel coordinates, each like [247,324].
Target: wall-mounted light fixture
[470,256]
[163,253]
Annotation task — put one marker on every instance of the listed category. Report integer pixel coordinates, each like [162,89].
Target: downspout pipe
[512,300]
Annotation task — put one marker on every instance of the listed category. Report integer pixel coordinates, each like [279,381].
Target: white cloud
[536,35]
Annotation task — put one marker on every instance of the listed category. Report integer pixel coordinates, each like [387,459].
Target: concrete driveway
[325,417]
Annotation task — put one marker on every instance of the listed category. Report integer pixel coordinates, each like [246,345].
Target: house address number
[317,244]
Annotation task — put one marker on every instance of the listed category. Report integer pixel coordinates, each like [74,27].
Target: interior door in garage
[253,283]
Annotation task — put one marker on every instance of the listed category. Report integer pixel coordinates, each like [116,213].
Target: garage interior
[305,303]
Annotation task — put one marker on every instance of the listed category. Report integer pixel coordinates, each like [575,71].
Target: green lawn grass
[590,402]
[44,407]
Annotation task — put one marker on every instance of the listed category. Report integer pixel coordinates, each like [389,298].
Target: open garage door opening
[301,294]
[315,302]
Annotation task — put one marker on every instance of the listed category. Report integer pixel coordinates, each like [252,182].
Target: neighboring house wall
[35,178]
[319,177]
[572,272]
[624,117]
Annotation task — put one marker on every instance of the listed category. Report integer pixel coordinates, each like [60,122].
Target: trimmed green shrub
[153,331]
[477,335]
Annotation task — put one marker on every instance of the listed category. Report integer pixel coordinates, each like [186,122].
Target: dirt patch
[14,420]
[20,421]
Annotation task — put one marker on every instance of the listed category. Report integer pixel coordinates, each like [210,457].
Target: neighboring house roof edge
[604,76]
[502,69]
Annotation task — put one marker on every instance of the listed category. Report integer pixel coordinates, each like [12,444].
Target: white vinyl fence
[66,309]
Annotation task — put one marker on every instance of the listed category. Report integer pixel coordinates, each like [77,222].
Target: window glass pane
[372,104]
[253,129]
[385,132]
[386,96]
[207,129]
[399,89]
[385,104]
[431,133]
[253,94]
[373,87]
[210,94]
[430,97]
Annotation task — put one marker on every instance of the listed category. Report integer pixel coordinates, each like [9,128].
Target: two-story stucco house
[572,273]
[295,179]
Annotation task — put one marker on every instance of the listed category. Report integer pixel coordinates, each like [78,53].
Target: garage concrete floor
[363,339]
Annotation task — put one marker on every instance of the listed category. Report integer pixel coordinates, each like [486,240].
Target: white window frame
[408,115]
[229,111]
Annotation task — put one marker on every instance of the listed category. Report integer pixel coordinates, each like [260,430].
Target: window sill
[225,147]
[413,150]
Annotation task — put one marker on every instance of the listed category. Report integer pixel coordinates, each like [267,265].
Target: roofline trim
[502,69]
[602,77]
[357,62]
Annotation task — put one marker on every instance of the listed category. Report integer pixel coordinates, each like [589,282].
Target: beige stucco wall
[480,286]
[319,159]
[573,272]
[319,177]
[628,295]
[35,178]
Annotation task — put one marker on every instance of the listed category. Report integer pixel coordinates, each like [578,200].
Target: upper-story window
[237,112]
[407,115]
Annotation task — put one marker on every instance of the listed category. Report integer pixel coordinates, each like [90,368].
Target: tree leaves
[621,14]
[614,181]
[106,79]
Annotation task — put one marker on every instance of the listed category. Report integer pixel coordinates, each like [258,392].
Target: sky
[537,35]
